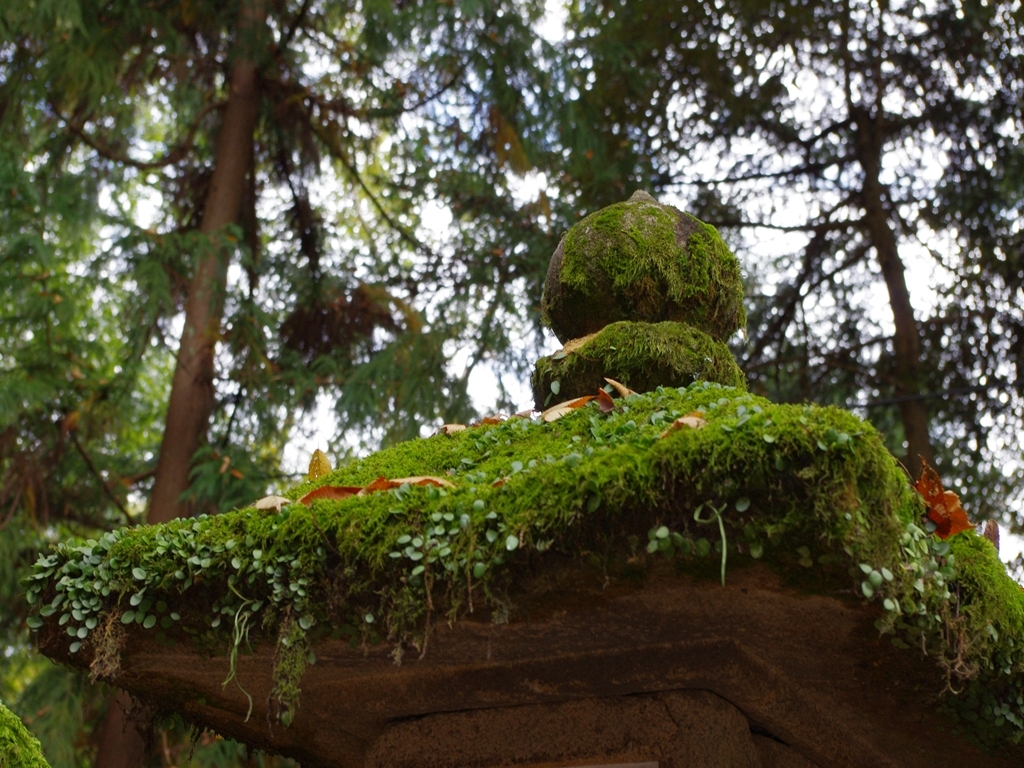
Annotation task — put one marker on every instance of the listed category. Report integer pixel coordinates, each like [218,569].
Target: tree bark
[192,392]
[119,743]
[907,338]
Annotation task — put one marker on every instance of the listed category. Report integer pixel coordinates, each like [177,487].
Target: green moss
[996,599]
[18,748]
[642,356]
[985,639]
[642,261]
[810,490]
[293,654]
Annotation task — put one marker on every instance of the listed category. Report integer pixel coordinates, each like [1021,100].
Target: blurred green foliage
[379,119]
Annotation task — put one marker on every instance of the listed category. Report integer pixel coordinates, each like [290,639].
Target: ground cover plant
[709,476]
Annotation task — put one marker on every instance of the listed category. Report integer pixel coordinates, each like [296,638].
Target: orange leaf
[489,420]
[958,521]
[380,484]
[944,507]
[330,492]
[558,411]
[605,402]
[236,474]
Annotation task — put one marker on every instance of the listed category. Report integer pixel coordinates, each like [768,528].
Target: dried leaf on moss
[944,507]
[272,502]
[450,429]
[319,464]
[556,412]
[384,484]
[692,420]
[573,344]
[622,389]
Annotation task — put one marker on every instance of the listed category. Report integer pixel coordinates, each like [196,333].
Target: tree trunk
[120,745]
[118,741]
[907,339]
[192,392]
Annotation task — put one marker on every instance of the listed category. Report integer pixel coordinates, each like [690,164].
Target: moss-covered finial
[18,748]
[642,261]
[642,293]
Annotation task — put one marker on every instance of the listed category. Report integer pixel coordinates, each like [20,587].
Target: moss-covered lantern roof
[706,480]
[660,498]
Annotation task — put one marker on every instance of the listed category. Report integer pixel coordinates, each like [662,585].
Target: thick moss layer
[985,630]
[811,490]
[18,748]
[643,356]
[643,261]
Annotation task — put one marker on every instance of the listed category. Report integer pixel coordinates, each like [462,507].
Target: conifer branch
[174,155]
[99,477]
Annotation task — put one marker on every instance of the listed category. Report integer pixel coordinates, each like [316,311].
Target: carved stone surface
[677,729]
[676,671]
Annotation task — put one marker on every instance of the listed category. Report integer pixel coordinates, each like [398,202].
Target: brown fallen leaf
[272,502]
[528,413]
[439,482]
[622,389]
[489,421]
[692,420]
[384,484]
[605,402]
[558,411]
[380,484]
[450,429]
[319,464]
[573,344]
[330,492]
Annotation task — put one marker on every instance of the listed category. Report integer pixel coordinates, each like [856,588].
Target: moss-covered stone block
[810,492]
[18,747]
[640,260]
[643,356]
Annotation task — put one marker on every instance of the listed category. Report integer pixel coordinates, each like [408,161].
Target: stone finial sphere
[642,261]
